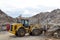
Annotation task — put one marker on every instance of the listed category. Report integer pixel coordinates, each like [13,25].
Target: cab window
[26,22]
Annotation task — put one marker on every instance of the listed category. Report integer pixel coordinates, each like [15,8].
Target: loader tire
[41,31]
[21,33]
[16,34]
[36,32]
[30,33]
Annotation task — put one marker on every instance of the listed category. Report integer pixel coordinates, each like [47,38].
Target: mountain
[42,17]
[46,17]
[4,18]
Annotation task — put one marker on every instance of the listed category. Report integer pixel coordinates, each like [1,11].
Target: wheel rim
[22,33]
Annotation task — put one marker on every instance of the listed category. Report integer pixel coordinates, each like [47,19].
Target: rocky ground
[7,36]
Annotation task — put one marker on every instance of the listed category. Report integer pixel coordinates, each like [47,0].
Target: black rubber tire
[36,32]
[21,32]
[30,33]
[41,31]
[16,33]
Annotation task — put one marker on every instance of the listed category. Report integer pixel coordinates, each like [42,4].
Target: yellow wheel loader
[22,27]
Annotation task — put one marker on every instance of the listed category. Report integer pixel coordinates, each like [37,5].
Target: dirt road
[8,36]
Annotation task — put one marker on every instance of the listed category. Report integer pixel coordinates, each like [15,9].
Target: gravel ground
[8,36]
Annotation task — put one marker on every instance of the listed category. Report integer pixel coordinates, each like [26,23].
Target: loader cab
[25,22]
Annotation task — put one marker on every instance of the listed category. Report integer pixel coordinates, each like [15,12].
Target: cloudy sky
[27,8]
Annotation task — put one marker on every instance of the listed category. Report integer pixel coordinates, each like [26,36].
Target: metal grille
[11,28]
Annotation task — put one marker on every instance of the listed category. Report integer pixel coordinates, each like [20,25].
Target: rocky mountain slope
[46,17]
[4,18]
[42,17]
